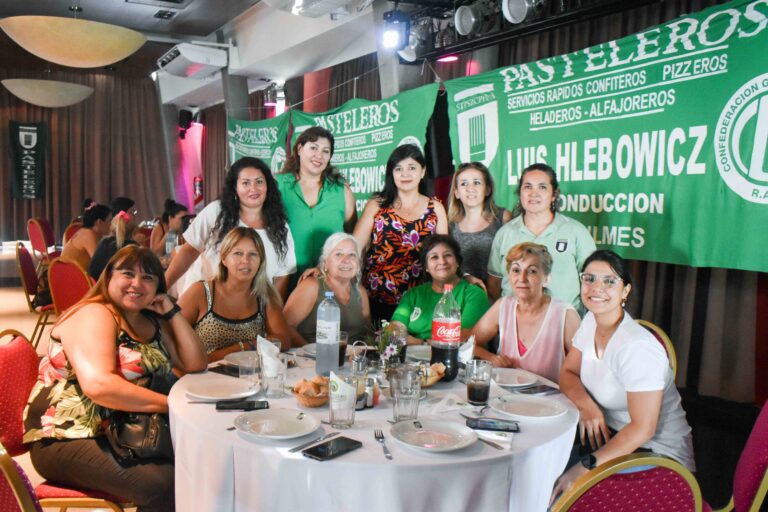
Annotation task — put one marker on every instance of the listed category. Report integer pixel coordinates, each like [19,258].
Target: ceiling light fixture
[420,40]
[397,27]
[475,17]
[518,11]
[47,93]
[72,42]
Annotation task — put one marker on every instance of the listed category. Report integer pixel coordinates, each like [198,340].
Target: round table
[224,470]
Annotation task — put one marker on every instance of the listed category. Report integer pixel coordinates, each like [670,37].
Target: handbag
[142,435]
[139,435]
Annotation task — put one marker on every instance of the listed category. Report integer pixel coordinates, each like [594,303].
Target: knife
[313,441]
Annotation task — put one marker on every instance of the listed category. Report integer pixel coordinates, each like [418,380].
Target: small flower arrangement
[389,342]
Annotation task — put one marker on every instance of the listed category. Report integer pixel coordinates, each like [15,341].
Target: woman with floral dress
[392,228]
[109,352]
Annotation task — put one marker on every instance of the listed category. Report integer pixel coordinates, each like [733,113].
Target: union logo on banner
[478,124]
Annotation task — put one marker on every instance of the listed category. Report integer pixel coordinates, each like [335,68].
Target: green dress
[311,226]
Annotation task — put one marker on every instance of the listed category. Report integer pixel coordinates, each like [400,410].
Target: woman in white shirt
[619,377]
[249,198]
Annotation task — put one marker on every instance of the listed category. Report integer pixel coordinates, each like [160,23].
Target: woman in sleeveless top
[102,353]
[392,228]
[230,311]
[339,272]
[473,217]
[96,220]
[535,330]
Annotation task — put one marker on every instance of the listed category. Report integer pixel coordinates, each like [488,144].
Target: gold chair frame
[43,317]
[665,339]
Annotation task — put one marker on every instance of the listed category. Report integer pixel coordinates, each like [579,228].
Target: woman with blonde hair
[535,329]
[473,216]
[122,226]
[339,271]
[112,351]
[239,304]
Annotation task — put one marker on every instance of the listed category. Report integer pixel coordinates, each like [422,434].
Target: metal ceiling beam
[570,17]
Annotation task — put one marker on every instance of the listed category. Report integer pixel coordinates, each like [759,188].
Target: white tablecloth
[221,471]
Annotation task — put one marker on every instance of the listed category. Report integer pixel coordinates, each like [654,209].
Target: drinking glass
[478,381]
[405,386]
[273,386]
[343,341]
[342,404]
[248,368]
[276,342]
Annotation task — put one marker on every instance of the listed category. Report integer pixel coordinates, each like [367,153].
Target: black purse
[142,435]
[139,435]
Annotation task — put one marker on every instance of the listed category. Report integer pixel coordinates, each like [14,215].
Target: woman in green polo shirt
[316,198]
[441,258]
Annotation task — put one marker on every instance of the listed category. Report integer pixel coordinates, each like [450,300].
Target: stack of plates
[514,378]
[224,389]
[433,436]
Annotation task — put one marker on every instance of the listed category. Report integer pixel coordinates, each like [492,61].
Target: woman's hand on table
[565,482]
[592,426]
[502,361]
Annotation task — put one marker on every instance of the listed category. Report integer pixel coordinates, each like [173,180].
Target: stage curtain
[109,145]
[357,78]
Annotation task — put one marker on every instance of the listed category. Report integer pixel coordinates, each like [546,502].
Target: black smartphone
[493,424]
[241,405]
[539,389]
[332,448]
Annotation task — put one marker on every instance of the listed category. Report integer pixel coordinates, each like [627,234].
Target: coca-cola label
[446,332]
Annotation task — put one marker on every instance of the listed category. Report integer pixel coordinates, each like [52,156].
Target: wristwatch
[171,312]
[589,461]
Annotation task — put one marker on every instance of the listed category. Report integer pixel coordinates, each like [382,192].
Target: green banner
[260,139]
[658,139]
[366,132]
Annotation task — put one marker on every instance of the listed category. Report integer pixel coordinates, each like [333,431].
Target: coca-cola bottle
[446,333]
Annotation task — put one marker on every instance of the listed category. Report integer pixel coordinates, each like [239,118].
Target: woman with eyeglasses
[536,219]
[535,329]
[393,227]
[619,377]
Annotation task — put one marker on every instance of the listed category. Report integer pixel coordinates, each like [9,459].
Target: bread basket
[311,401]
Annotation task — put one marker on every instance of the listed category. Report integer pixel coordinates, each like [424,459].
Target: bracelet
[242,347]
[171,312]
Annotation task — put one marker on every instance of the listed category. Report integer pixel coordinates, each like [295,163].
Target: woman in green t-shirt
[441,258]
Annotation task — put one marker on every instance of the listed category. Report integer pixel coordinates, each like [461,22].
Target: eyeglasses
[608,281]
[134,212]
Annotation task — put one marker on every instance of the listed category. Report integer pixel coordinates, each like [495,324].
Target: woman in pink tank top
[535,330]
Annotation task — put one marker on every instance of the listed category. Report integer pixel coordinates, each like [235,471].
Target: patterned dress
[392,261]
[57,406]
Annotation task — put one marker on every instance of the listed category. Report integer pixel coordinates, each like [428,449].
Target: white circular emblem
[741,140]
[416,313]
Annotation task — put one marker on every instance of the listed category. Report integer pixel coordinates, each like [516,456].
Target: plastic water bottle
[327,335]
[170,242]
[446,333]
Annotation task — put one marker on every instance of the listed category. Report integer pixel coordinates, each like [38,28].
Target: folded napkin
[449,402]
[501,438]
[271,365]
[342,392]
[466,350]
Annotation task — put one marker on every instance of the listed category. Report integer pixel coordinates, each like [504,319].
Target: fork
[379,435]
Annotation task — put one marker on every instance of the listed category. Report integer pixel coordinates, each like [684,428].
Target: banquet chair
[16,493]
[19,366]
[666,486]
[750,481]
[29,281]
[68,283]
[41,238]
[71,230]
[666,342]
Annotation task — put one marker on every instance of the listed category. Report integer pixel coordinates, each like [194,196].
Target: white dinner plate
[276,423]
[433,436]
[234,358]
[223,389]
[526,407]
[310,349]
[514,378]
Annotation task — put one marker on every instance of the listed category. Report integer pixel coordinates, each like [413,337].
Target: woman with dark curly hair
[249,198]
[316,198]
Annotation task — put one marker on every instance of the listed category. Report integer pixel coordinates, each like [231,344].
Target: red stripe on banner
[761,340]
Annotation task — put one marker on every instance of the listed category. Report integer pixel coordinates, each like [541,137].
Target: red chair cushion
[658,489]
[18,367]
[47,491]
[28,272]
[68,284]
[753,463]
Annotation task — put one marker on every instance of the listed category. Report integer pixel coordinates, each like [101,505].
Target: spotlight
[420,40]
[517,11]
[185,118]
[198,117]
[397,26]
[470,19]
[270,96]
[448,58]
